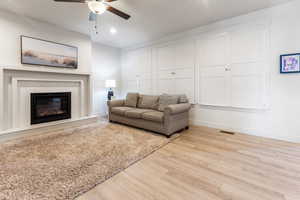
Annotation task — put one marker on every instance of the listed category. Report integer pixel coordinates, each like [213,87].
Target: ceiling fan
[98,7]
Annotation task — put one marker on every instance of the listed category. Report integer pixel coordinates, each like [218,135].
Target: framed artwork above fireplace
[46,53]
[48,107]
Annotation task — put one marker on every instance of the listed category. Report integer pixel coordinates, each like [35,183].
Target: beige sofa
[165,114]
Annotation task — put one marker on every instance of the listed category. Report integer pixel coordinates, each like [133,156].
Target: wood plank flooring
[204,164]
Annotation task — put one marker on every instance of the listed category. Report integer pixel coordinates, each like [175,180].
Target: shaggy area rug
[65,164]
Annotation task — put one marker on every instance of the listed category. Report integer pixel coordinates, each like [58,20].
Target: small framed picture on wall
[290,63]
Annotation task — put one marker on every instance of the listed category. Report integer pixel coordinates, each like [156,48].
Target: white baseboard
[247,131]
[37,129]
[226,128]
[210,125]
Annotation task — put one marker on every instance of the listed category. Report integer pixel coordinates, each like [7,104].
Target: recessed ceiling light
[113,30]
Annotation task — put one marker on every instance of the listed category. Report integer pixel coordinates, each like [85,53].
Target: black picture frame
[282,63]
[73,63]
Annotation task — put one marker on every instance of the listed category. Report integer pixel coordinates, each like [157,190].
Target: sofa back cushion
[165,100]
[132,100]
[148,102]
[168,99]
[182,98]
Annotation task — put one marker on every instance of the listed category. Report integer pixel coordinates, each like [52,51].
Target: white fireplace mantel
[69,74]
[46,70]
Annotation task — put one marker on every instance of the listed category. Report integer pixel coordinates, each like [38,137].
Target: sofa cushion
[132,100]
[182,98]
[148,102]
[154,116]
[165,100]
[120,110]
[136,113]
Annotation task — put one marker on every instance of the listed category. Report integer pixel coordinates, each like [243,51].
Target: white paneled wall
[137,72]
[167,68]
[239,75]
[212,56]
[175,68]
[233,67]
[218,68]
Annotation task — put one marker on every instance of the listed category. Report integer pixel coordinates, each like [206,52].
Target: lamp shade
[110,83]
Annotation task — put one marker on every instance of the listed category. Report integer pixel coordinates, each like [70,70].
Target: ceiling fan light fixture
[97,7]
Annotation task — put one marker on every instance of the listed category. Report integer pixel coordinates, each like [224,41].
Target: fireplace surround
[48,107]
[18,83]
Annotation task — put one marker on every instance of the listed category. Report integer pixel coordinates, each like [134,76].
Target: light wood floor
[206,165]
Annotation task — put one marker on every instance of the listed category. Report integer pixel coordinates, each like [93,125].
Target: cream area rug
[67,163]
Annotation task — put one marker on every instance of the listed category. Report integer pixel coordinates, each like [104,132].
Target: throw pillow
[148,102]
[166,100]
[182,98]
[132,99]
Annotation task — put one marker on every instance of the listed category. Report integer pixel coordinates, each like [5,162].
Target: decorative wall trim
[15,95]
[91,94]
[84,97]
[1,99]
[45,70]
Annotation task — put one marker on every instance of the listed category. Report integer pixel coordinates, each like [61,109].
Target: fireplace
[48,107]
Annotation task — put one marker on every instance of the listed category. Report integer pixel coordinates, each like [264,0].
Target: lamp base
[110,94]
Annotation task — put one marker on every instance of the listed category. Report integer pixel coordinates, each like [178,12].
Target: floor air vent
[227,132]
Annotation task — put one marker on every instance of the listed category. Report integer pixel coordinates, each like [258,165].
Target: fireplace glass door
[47,107]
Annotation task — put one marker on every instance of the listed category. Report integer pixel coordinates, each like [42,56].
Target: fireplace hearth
[48,107]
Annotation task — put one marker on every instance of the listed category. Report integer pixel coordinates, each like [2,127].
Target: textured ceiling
[151,19]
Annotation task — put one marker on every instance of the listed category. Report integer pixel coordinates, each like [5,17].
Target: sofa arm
[178,108]
[115,103]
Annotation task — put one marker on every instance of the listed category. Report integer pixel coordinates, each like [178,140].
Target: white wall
[106,62]
[13,26]
[281,119]
[102,61]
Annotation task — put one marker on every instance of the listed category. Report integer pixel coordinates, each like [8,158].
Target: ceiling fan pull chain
[96,25]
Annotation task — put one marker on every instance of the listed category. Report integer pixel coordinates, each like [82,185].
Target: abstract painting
[46,53]
[290,63]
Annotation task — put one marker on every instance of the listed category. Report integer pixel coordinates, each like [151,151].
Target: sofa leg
[179,131]
[168,136]
[187,128]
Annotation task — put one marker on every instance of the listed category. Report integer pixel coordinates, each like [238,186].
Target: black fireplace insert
[48,107]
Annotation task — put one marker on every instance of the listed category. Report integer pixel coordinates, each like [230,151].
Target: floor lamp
[110,84]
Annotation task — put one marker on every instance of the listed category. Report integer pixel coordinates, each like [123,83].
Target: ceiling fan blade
[81,1]
[72,1]
[118,12]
